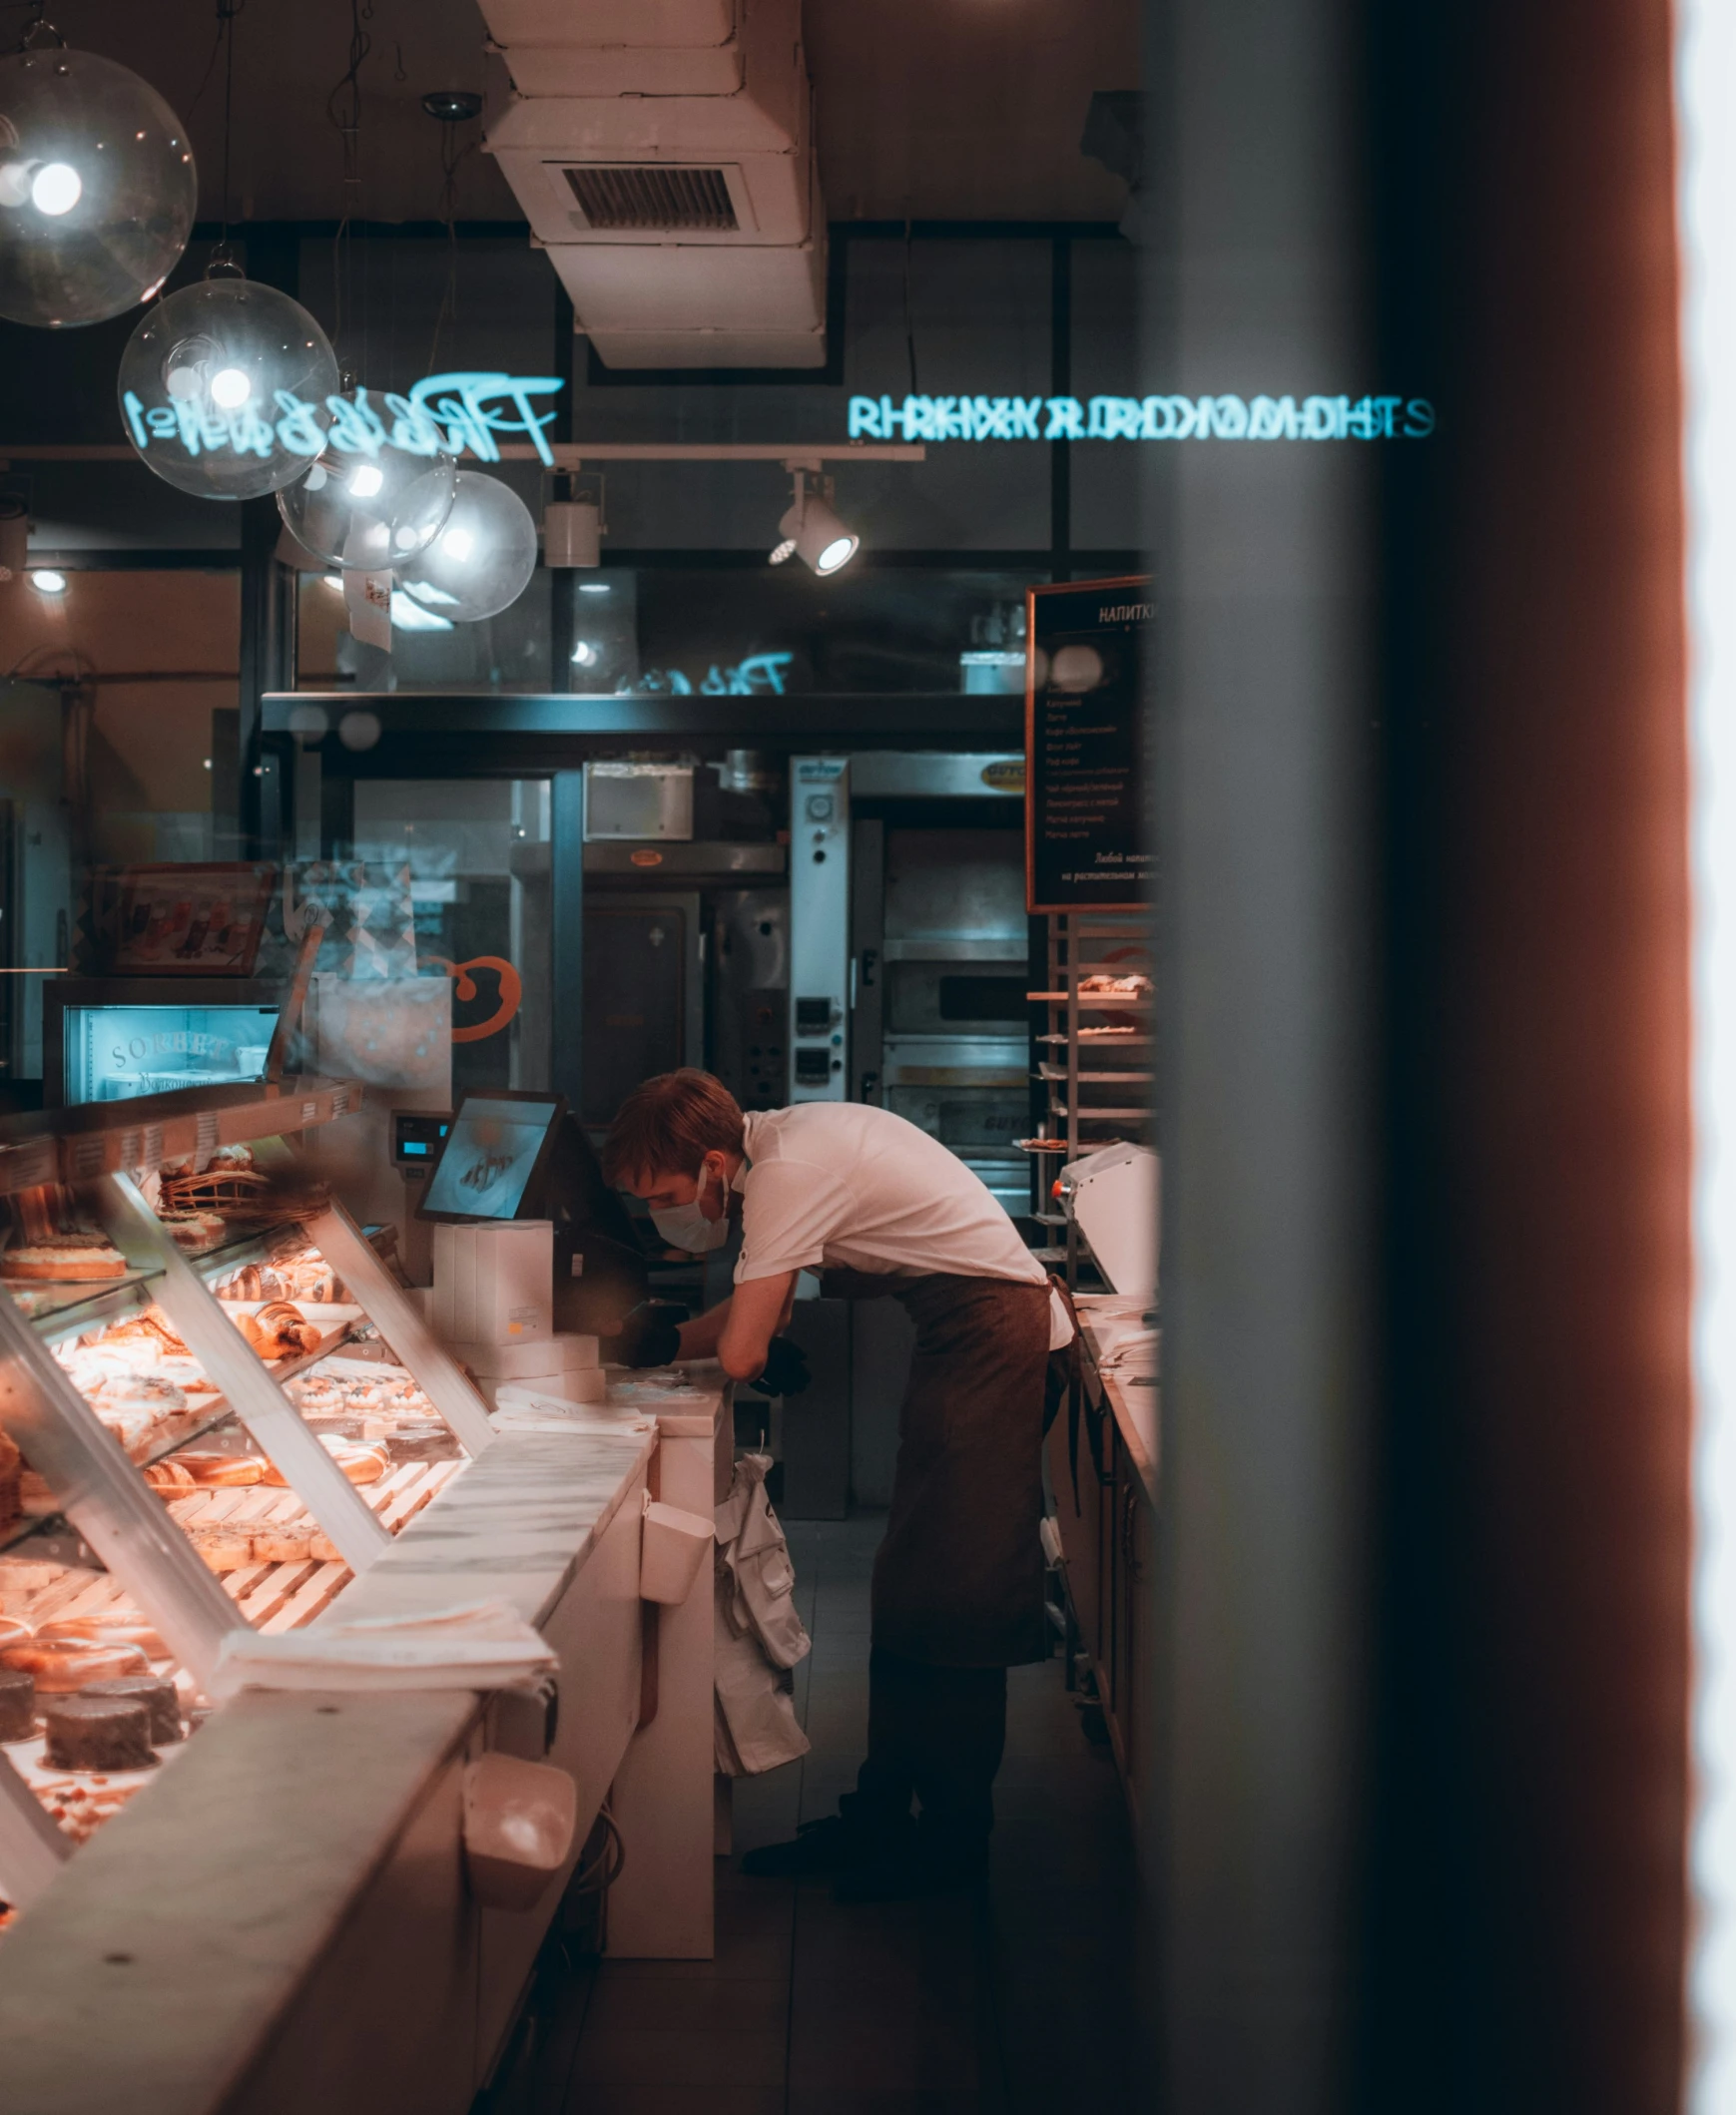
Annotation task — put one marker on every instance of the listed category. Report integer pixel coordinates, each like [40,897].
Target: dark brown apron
[959,1580]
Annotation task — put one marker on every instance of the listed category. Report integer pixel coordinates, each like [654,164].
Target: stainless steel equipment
[821,964]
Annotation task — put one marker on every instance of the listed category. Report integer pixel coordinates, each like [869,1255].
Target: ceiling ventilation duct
[663,152]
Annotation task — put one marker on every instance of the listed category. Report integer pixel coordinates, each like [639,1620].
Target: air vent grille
[654,200]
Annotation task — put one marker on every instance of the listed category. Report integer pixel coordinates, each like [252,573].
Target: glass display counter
[218,1408]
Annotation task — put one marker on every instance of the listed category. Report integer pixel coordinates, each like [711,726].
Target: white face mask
[686,1227]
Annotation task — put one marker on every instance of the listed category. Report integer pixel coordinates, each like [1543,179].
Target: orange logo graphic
[511,991]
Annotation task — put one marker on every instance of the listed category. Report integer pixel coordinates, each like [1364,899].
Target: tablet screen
[489,1156]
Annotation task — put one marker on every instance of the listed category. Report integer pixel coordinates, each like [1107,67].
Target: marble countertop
[149,1972]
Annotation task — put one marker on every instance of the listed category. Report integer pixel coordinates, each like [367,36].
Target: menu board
[1088,837]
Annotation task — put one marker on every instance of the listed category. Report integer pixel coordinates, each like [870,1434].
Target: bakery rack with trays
[1092,1096]
[180,1484]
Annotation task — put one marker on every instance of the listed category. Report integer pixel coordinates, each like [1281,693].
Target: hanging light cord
[909,316]
[344,108]
[452,157]
[226,11]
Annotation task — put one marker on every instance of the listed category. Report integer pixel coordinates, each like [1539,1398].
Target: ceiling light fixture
[482,559]
[97,186]
[367,512]
[46,581]
[810,529]
[224,354]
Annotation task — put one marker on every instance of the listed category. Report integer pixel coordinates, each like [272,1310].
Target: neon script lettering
[938,418]
[452,414]
[760,675]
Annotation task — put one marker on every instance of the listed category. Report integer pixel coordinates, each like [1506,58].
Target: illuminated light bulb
[782,553]
[97,191]
[370,509]
[593,586]
[483,559]
[47,581]
[223,388]
[56,187]
[812,532]
[585,655]
[333,580]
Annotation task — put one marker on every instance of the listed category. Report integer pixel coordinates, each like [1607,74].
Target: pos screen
[490,1156]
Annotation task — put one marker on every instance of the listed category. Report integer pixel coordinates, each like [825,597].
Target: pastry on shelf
[158,1693]
[66,1258]
[116,1627]
[17,1704]
[97,1733]
[292,1542]
[222,1548]
[361,1464]
[59,1665]
[210,1471]
[277,1331]
[195,1232]
[171,1478]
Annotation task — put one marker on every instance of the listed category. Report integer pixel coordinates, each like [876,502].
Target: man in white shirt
[882,1209]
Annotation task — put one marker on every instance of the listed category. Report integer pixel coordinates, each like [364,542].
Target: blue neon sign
[451,414]
[940,418]
[760,675]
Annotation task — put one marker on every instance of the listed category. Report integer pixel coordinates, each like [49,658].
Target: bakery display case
[219,1408]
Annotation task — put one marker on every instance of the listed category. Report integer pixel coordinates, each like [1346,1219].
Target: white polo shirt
[846,1186]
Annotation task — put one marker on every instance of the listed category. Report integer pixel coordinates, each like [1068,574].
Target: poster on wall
[1088,836]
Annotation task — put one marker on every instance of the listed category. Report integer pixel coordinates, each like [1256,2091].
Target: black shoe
[910,1870]
[835,1844]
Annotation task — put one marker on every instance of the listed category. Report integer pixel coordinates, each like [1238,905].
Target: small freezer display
[487,1161]
[114,1053]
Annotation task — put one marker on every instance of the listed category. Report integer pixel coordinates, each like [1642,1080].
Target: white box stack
[494,1282]
[492,1305]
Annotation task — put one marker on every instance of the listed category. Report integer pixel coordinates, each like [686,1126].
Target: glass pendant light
[481,561]
[224,387]
[97,186]
[372,508]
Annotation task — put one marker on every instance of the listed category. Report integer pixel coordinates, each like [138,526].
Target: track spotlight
[810,529]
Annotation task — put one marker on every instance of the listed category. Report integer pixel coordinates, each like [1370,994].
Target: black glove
[785,1368]
[651,1334]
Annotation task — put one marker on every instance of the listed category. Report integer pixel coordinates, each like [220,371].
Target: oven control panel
[818,927]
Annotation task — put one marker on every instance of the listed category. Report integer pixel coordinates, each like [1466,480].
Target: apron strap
[1073,1354]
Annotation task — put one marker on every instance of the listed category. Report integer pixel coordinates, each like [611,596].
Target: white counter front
[283,1922]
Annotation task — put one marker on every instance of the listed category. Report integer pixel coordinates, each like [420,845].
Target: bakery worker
[884,1211]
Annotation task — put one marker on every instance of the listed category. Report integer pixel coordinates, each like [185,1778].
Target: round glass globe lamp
[223,386]
[97,187]
[481,561]
[372,510]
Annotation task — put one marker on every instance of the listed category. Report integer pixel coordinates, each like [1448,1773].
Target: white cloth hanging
[760,1637]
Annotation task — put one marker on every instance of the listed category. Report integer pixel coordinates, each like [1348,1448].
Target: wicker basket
[243,1192]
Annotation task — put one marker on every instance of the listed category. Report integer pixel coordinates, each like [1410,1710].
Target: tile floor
[1011,2003]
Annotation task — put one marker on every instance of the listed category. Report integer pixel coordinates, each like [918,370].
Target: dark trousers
[959,1580]
[936,1734]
